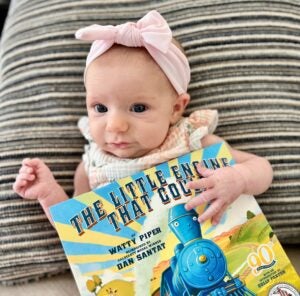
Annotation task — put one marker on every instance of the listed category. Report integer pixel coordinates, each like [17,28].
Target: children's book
[134,237]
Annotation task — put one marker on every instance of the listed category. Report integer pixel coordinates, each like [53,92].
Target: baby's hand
[34,179]
[222,187]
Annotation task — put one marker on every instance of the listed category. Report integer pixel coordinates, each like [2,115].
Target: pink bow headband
[151,32]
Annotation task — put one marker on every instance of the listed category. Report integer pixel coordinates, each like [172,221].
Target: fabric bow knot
[152,29]
[152,32]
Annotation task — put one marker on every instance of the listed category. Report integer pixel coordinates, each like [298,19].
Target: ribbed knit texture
[245,61]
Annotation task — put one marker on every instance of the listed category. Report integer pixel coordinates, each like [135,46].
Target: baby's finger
[204,183]
[211,211]
[25,170]
[198,200]
[32,162]
[217,218]
[19,184]
[26,161]
[203,171]
[25,176]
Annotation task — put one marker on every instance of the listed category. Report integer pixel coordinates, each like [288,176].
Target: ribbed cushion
[3,12]
[245,60]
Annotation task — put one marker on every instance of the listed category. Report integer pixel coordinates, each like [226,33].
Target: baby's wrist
[240,171]
[53,195]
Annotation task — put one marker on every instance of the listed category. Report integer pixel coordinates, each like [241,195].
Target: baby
[136,81]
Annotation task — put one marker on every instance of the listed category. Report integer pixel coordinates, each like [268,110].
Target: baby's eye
[99,108]
[139,108]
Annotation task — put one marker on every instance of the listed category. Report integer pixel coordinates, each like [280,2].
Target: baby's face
[130,103]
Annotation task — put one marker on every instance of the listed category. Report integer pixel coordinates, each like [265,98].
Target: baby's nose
[117,123]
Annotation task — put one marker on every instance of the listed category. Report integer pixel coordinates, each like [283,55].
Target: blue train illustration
[199,267]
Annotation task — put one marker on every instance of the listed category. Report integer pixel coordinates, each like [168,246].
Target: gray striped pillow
[245,60]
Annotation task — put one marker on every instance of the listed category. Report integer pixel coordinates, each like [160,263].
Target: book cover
[134,237]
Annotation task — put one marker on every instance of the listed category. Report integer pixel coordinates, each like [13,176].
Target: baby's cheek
[154,140]
[97,133]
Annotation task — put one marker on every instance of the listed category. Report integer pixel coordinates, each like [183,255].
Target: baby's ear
[179,106]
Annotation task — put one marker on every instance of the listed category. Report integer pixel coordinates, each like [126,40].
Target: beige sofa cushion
[245,59]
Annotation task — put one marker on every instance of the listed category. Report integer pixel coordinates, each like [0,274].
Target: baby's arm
[81,181]
[36,181]
[250,175]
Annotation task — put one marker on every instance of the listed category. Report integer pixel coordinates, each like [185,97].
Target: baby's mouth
[119,145]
